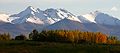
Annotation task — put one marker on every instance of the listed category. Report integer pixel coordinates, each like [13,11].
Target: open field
[52,47]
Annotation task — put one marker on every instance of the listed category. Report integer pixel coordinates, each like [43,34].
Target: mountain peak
[95,13]
[63,10]
[52,15]
[50,10]
[102,18]
[30,8]
[48,16]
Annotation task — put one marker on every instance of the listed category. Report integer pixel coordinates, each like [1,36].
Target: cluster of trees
[73,36]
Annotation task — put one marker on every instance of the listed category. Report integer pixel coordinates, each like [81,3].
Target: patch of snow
[4,17]
[35,20]
[90,17]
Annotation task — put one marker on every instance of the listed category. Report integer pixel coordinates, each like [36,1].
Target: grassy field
[51,47]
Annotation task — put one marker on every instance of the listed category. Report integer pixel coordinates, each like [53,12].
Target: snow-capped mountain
[37,16]
[28,15]
[102,18]
[52,19]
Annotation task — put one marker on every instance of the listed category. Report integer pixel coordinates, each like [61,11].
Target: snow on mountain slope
[90,17]
[65,24]
[102,18]
[49,16]
[28,15]
[34,20]
[58,14]
[4,17]
[83,19]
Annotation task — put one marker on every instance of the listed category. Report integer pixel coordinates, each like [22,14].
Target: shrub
[20,37]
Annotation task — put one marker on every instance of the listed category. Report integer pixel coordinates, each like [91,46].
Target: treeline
[71,36]
[5,36]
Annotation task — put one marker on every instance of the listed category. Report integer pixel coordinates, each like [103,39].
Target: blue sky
[77,7]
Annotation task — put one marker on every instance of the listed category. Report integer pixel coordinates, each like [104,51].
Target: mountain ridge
[50,16]
[57,19]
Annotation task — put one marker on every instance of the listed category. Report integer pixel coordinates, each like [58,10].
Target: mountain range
[57,19]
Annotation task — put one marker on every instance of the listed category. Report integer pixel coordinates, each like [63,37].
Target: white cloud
[114,9]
